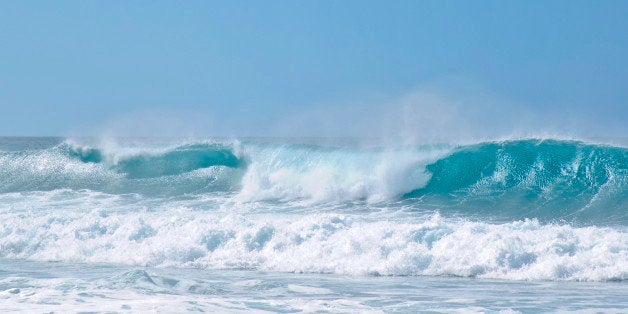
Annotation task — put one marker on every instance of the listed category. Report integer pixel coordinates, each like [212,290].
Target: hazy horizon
[419,70]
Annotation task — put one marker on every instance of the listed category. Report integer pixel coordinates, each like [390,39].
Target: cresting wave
[179,160]
[546,179]
[170,170]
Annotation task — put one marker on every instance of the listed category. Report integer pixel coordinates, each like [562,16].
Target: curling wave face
[521,209]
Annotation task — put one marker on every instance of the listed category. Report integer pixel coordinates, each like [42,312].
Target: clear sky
[246,67]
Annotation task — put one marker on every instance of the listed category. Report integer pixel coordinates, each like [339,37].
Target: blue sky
[246,68]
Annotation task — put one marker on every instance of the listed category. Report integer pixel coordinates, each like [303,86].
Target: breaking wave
[515,210]
[545,179]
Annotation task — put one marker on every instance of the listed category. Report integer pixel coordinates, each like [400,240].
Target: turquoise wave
[531,178]
[179,160]
[170,171]
[545,179]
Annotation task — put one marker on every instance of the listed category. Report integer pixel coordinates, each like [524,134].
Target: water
[63,287]
[286,225]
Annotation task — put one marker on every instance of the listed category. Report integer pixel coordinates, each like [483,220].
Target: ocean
[312,225]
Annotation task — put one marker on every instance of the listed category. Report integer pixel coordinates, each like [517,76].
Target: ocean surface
[312,225]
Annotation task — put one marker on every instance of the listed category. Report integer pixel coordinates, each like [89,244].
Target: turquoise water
[334,225]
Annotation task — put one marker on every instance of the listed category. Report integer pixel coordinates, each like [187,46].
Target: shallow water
[77,287]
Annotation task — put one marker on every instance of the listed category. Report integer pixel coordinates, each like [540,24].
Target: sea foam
[319,243]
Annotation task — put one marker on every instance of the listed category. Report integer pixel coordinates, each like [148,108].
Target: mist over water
[445,111]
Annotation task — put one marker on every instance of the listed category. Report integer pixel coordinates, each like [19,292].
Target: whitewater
[327,225]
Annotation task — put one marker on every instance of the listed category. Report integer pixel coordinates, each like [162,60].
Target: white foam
[320,243]
[332,174]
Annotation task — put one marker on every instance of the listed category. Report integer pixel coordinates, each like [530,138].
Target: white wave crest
[333,175]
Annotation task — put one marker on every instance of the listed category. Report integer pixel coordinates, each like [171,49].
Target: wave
[532,178]
[176,161]
[193,168]
[546,179]
[315,174]
[319,243]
